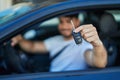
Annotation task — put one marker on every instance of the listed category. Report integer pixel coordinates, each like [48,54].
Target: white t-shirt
[72,58]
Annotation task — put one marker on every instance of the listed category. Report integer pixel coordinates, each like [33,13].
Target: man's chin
[67,36]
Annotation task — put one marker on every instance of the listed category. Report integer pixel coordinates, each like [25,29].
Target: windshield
[15,11]
[22,8]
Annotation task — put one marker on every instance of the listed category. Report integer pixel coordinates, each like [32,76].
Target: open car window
[33,63]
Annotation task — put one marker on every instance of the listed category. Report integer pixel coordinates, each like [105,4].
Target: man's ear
[77,22]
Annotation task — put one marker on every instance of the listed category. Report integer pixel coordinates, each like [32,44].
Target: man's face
[65,26]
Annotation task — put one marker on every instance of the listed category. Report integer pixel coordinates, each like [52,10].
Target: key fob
[77,37]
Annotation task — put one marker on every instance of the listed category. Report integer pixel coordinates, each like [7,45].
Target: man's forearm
[29,46]
[32,47]
[26,45]
[99,56]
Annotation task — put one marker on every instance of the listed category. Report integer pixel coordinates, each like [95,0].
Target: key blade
[73,26]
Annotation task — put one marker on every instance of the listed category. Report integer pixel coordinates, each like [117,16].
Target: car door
[14,27]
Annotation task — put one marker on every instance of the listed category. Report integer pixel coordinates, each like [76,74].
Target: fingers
[91,39]
[12,44]
[89,33]
[79,29]
[16,40]
[85,28]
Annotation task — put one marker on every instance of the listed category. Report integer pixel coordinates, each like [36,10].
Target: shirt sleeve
[87,46]
[49,43]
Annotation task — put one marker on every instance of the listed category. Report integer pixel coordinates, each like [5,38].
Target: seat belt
[58,53]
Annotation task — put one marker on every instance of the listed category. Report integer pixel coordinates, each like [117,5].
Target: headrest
[107,24]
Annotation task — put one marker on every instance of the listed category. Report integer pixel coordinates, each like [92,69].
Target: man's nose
[66,26]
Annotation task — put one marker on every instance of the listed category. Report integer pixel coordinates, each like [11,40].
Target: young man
[73,57]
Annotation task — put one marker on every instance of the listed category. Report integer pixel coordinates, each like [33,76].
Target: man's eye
[60,21]
[68,21]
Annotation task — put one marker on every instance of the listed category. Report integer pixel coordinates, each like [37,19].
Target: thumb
[13,42]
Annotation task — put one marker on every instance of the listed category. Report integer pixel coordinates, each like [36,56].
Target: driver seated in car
[73,57]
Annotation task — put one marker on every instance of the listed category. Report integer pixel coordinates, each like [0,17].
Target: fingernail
[75,31]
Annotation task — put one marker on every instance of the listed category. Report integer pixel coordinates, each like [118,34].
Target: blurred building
[4,4]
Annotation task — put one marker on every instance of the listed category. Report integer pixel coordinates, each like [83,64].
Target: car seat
[106,25]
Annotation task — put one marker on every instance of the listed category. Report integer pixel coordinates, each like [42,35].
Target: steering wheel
[20,62]
[15,59]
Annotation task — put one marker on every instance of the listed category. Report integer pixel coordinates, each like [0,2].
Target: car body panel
[101,74]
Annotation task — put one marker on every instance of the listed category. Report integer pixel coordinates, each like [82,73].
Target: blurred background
[4,4]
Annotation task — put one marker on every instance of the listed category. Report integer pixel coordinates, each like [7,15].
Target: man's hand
[29,46]
[89,33]
[16,40]
[98,56]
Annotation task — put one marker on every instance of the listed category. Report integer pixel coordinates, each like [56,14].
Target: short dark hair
[72,15]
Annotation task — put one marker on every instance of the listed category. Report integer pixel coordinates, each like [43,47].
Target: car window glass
[15,11]
[23,7]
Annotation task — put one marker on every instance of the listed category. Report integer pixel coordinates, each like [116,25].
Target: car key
[76,35]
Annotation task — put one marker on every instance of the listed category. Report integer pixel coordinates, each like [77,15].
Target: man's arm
[29,46]
[98,56]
